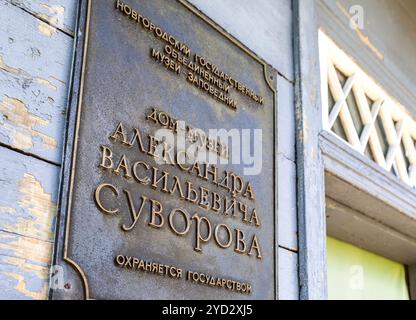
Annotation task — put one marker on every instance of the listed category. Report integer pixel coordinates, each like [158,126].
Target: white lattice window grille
[361,113]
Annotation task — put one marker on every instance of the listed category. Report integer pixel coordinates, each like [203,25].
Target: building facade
[345,109]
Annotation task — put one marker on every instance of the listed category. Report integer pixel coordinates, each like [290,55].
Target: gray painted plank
[288,276]
[287,204]
[27,218]
[357,228]
[58,13]
[286,119]
[264,26]
[310,173]
[250,24]
[412,281]
[365,186]
[385,48]
[33,33]
[28,197]
[288,236]
[35,62]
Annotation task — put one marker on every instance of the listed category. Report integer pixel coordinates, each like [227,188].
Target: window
[354,273]
[359,112]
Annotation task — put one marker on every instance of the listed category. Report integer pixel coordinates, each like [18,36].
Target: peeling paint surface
[7,210]
[39,204]
[28,197]
[55,14]
[24,279]
[46,29]
[26,248]
[35,60]
[11,70]
[24,74]
[58,13]
[27,221]
[20,124]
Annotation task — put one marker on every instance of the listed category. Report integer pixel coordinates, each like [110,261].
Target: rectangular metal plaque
[169,178]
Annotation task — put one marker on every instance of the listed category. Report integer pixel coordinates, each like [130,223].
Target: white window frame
[398,124]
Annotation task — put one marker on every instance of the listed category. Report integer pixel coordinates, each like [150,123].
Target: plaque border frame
[69,156]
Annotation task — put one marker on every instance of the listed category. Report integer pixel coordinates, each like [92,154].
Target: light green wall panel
[354,273]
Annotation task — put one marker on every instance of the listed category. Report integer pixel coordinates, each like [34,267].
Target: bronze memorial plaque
[169,179]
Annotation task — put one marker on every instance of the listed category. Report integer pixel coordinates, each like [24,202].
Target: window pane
[354,273]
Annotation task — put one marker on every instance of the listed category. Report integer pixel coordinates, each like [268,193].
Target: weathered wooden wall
[36,38]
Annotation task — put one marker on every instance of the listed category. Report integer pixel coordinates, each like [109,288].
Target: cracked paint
[59,80]
[19,123]
[21,286]
[41,207]
[24,262]
[30,249]
[27,221]
[47,83]
[54,16]
[46,29]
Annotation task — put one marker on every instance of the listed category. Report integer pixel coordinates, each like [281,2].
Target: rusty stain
[363,38]
[46,29]
[21,123]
